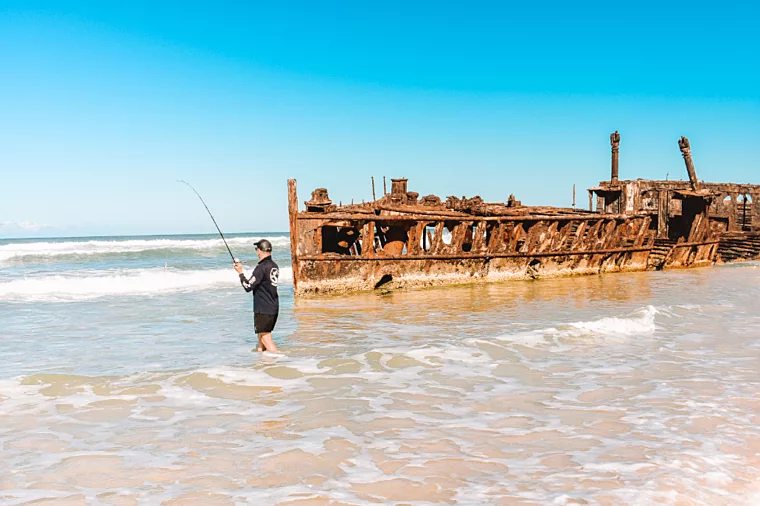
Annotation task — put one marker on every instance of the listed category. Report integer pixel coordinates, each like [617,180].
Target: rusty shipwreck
[401,239]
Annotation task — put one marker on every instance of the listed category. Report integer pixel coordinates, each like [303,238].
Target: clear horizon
[106,106]
[128,236]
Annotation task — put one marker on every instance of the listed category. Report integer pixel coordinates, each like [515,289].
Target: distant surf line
[67,287]
[18,250]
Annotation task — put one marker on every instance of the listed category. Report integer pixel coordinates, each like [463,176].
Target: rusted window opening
[613,202]
[448,232]
[469,237]
[687,223]
[393,237]
[746,210]
[341,240]
[428,236]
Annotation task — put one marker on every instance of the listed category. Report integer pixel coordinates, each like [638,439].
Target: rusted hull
[431,250]
[402,240]
[737,247]
[337,277]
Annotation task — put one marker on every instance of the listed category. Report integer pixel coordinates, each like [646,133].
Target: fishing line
[234,260]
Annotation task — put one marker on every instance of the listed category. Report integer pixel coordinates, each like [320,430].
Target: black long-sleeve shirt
[263,284]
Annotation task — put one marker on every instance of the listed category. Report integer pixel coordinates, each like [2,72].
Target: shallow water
[637,388]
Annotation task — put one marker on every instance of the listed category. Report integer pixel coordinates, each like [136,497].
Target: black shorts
[263,322]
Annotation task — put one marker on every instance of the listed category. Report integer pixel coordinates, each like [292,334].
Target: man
[266,302]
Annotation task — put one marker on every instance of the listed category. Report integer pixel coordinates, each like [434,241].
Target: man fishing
[266,302]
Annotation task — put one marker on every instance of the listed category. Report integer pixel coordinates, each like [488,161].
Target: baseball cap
[263,245]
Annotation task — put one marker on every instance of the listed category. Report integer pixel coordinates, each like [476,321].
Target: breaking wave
[44,249]
[127,282]
[640,322]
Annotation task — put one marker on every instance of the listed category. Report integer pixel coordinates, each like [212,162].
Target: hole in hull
[387,278]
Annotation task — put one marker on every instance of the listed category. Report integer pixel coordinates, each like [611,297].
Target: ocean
[128,376]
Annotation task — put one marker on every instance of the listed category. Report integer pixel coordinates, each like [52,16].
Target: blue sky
[105,104]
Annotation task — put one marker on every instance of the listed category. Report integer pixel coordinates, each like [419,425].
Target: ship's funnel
[615,143]
[398,186]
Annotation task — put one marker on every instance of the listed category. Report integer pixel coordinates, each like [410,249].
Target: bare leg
[265,339]
[261,346]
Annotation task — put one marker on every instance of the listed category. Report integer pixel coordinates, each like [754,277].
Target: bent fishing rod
[234,260]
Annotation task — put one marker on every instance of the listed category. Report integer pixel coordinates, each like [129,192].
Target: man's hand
[238,268]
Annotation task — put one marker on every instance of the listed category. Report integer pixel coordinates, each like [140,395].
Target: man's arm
[250,284]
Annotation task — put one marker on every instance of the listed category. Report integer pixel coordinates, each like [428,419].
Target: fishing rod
[234,260]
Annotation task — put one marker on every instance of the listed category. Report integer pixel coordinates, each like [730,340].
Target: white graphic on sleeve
[274,275]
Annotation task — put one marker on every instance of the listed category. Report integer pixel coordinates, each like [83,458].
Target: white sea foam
[641,322]
[435,355]
[126,282]
[254,377]
[104,246]
[610,328]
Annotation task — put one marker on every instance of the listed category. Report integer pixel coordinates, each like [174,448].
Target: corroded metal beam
[293,214]
[683,144]
[526,254]
[431,218]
